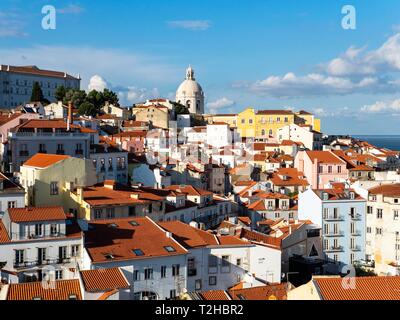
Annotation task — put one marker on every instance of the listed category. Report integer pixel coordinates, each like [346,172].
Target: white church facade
[190,93]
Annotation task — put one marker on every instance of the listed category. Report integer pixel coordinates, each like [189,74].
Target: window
[41,255]
[53,188]
[243,121]
[379,213]
[277,215]
[59,274]
[329,169]
[97,213]
[11,204]
[42,148]
[53,229]
[225,265]
[148,273]
[19,256]
[163,271]
[38,230]
[212,281]
[369,230]
[339,169]
[191,267]
[395,214]
[135,275]
[378,231]
[369,209]
[75,250]
[62,253]
[250,121]
[169,249]
[320,169]
[138,252]
[197,284]
[212,264]
[110,213]
[172,294]
[175,270]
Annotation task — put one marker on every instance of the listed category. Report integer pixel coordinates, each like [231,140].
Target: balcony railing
[334,234]
[334,218]
[17,236]
[356,233]
[41,262]
[355,248]
[356,216]
[334,249]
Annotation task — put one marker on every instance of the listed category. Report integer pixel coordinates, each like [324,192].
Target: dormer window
[325,196]
[352,195]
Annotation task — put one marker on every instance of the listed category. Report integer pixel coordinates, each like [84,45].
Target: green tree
[37,93]
[76,96]
[110,97]
[180,109]
[96,98]
[60,93]
[87,109]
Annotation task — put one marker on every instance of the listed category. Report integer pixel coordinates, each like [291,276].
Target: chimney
[69,119]
[110,184]
[8,68]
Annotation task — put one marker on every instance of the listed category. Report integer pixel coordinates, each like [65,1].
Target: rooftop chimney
[110,184]
[69,119]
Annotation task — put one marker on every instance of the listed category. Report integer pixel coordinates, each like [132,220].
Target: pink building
[321,167]
[131,141]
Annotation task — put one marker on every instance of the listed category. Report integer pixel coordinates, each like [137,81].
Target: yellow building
[48,179]
[157,115]
[263,124]
[230,119]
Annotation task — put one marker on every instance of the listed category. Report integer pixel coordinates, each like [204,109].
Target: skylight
[169,249]
[138,252]
[109,256]
[113,225]
[134,223]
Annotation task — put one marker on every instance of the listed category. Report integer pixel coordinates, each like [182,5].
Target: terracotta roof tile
[64,290]
[215,295]
[324,157]
[388,190]
[269,292]
[366,288]
[32,214]
[103,279]
[42,160]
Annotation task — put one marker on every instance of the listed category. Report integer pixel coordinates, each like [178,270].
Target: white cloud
[194,25]
[220,104]
[97,83]
[355,71]
[316,84]
[131,95]
[119,66]
[11,25]
[383,107]
[71,9]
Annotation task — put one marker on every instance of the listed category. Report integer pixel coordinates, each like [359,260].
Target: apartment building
[150,258]
[16,83]
[12,195]
[383,229]
[36,242]
[321,167]
[216,262]
[49,178]
[341,213]
[46,136]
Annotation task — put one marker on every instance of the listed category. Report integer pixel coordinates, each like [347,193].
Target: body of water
[389,142]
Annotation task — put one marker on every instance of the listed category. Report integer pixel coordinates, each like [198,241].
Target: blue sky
[264,54]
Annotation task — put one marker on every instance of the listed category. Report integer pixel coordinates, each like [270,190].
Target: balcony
[42,151]
[38,263]
[334,234]
[356,233]
[334,249]
[60,151]
[355,248]
[24,153]
[356,217]
[334,218]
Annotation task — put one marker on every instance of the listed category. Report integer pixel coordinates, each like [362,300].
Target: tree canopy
[37,93]
[87,109]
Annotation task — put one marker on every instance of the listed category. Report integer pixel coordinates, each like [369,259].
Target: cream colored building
[383,229]
[158,115]
[48,179]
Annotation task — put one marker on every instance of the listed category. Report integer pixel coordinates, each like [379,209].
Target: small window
[133,223]
[109,256]
[212,281]
[170,249]
[138,252]
[72,297]
[37,298]
[113,225]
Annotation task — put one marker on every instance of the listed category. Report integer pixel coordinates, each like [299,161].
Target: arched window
[188,103]
[270,132]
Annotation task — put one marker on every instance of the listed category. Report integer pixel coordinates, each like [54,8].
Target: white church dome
[189,88]
[190,93]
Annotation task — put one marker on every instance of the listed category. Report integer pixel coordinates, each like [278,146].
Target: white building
[12,195]
[304,134]
[341,213]
[383,229]
[219,262]
[16,83]
[220,135]
[38,241]
[151,260]
[190,93]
